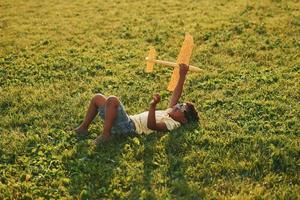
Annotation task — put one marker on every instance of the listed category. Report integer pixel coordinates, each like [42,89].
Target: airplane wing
[183,57]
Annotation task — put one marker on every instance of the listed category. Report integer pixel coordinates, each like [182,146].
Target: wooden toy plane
[183,57]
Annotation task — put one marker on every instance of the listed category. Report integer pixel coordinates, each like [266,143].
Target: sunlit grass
[54,55]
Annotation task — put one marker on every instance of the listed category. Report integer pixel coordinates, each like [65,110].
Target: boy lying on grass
[117,122]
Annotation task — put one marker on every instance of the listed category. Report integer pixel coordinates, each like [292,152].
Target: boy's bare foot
[101,139]
[81,131]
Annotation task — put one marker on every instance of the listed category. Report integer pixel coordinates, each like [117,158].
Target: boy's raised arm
[151,121]
[183,69]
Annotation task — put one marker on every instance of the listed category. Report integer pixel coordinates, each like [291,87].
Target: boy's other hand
[155,99]
[183,69]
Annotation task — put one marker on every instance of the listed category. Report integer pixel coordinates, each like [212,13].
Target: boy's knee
[112,100]
[99,99]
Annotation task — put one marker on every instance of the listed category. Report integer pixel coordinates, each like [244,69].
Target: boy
[116,120]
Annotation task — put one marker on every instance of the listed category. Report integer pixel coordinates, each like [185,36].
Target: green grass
[54,55]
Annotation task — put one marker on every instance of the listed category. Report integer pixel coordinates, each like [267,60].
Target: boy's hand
[155,99]
[183,69]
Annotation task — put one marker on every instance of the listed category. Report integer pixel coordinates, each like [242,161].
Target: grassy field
[55,55]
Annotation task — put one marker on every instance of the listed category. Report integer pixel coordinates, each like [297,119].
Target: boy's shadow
[91,167]
[175,147]
[178,147]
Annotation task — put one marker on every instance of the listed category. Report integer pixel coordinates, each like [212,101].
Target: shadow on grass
[175,147]
[90,168]
[149,165]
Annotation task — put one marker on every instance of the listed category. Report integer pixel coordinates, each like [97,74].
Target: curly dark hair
[191,113]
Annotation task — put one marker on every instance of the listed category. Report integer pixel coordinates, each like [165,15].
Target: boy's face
[181,107]
[177,113]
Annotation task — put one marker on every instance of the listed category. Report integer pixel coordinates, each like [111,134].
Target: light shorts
[122,125]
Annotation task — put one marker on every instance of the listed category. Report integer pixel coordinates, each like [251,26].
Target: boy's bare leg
[97,100]
[112,104]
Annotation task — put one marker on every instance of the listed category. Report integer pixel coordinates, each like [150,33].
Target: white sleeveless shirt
[140,121]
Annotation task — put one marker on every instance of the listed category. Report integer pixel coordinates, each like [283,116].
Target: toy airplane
[183,57]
